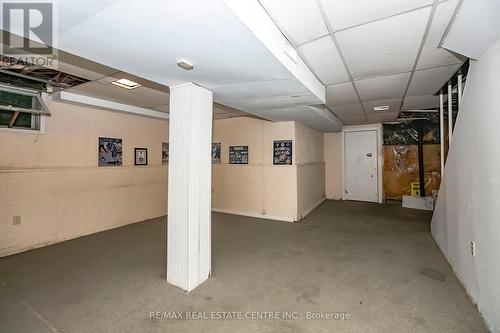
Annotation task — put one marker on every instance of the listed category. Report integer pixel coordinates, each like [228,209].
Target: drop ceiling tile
[354,120]
[420,102]
[343,14]
[383,87]
[256,89]
[475,28]
[349,110]
[253,105]
[323,58]
[429,81]
[283,114]
[393,104]
[431,55]
[299,20]
[340,94]
[384,47]
[303,114]
[383,117]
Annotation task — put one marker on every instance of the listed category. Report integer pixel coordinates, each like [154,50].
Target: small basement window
[20,109]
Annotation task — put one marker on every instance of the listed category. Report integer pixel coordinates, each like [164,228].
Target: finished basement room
[249,166]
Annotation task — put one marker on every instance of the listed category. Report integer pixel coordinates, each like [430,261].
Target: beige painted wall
[259,188]
[52,180]
[333,165]
[310,169]
[309,145]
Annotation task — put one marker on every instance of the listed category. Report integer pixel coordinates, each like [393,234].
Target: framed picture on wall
[238,155]
[164,153]
[110,152]
[282,152]
[141,156]
[216,153]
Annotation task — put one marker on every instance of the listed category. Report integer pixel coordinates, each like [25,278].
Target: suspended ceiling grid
[371,53]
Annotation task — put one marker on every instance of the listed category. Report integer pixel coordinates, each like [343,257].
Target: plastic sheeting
[407,133]
[401,169]
[401,158]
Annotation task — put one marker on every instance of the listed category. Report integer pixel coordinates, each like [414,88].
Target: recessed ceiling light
[381,108]
[127,84]
[185,64]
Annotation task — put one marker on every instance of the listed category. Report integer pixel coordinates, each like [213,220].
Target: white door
[361,165]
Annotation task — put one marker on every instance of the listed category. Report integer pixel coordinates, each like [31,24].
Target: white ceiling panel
[428,81]
[74,65]
[420,102]
[354,120]
[299,20]
[255,105]
[382,117]
[384,47]
[344,14]
[256,89]
[475,28]
[349,110]
[323,58]
[313,117]
[232,52]
[258,95]
[142,97]
[383,87]
[393,104]
[340,94]
[432,55]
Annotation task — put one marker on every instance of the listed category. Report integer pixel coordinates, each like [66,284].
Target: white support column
[450,115]
[189,186]
[441,130]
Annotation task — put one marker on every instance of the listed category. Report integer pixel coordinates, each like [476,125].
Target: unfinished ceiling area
[371,53]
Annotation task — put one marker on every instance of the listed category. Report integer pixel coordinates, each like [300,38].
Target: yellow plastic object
[415,189]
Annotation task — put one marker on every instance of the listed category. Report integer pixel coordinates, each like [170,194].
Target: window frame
[37,116]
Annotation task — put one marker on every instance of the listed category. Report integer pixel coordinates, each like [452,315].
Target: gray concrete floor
[376,262]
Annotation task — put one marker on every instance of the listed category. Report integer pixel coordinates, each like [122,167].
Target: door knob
[369,154]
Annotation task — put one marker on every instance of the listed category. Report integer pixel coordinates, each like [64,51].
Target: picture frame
[110,152]
[282,152]
[164,153]
[141,156]
[238,155]
[216,148]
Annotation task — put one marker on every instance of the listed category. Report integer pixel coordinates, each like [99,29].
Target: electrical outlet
[16,220]
[473,248]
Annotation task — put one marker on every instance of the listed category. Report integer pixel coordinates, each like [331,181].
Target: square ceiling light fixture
[381,108]
[127,84]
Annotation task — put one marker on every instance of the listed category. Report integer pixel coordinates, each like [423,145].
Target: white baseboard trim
[313,207]
[260,216]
